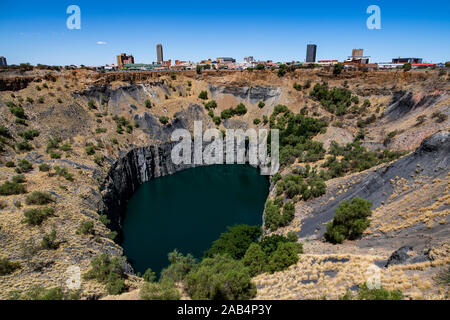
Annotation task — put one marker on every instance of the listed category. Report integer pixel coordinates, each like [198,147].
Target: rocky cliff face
[130,171]
[430,160]
[15,83]
[136,167]
[252,94]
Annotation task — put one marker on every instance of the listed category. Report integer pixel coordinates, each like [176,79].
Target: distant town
[357,60]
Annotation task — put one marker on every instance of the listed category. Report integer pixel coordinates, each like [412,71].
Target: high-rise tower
[311,53]
[159,53]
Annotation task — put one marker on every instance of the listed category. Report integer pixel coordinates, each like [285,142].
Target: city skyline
[37,32]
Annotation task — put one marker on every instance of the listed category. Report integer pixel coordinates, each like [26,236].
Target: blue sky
[36,32]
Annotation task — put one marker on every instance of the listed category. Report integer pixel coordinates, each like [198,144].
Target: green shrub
[20,121]
[91,104]
[148,104]
[38,198]
[285,256]
[164,290]
[235,241]
[55,155]
[309,184]
[355,158]
[109,271]
[261,104]
[179,267]
[203,95]
[8,267]
[35,217]
[86,227]
[18,179]
[90,150]
[44,167]
[337,69]
[220,278]
[63,172]
[211,105]
[256,121]
[420,120]
[163,120]
[364,293]
[439,116]
[10,164]
[270,243]
[227,113]
[275,218]
[282,70]
[66,147]
[24,166]
[350,220]
[18,112]
[41,293]
[29,100]
[255,259]
[4,132]
[49,241]
[335,100]
[24,146]
[53,143]
[104,219]
[407,66]
[297,86]
[29,134]
[240,109]
[296,132]
[112,235]
[217,120]
[149,275]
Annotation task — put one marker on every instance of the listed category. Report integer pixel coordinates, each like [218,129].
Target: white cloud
[102,43]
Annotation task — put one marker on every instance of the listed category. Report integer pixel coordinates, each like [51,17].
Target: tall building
[358,57]
[124,59]
[3,62]
[249,59]
[159,53]
[311,50]
[357,53]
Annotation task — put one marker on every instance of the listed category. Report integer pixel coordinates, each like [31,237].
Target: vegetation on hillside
[334,100]
[295,134]
[350,220]
[109,271]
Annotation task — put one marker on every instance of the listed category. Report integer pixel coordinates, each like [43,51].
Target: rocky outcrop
[404,102]
[406,255]
[253,94]
[433,157]
[129,172]
[15,83]
[125,94]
